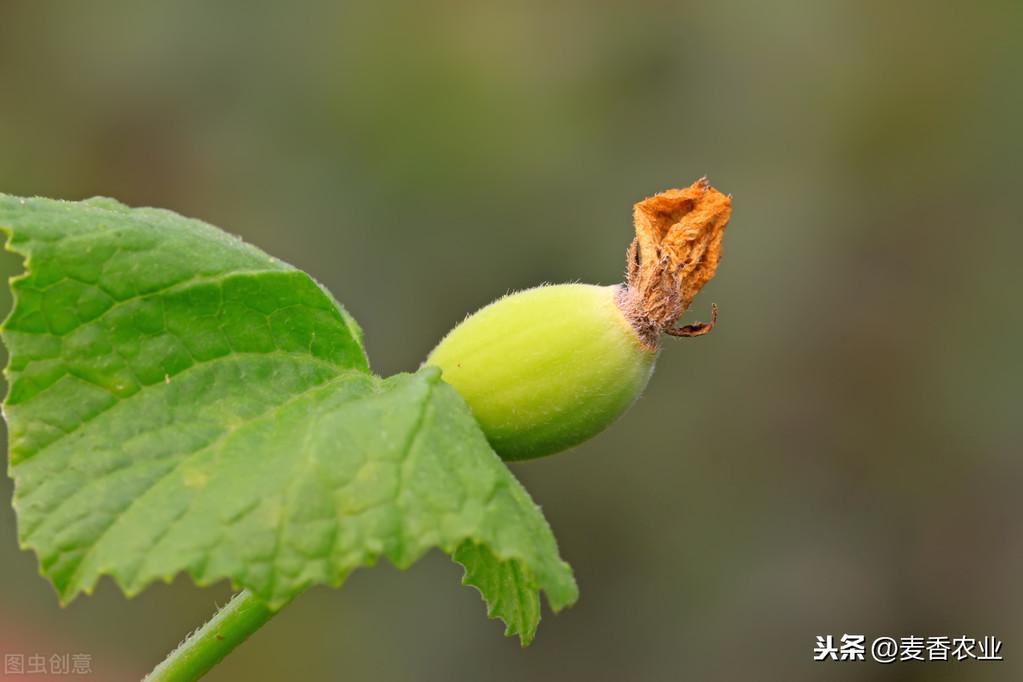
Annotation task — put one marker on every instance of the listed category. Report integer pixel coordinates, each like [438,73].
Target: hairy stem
[208,645]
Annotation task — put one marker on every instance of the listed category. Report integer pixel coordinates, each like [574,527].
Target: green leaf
[180,401]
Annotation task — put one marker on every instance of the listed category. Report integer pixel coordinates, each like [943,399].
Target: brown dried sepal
[675,252]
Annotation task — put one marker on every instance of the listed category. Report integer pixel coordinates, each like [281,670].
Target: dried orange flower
[675,252]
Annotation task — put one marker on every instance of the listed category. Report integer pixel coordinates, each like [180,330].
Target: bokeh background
[843,454]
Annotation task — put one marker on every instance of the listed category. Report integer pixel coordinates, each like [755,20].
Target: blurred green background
[841,455]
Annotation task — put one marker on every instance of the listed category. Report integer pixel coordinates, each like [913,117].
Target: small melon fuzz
[547,368]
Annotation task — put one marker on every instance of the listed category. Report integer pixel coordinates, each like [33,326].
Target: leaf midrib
[20,457]
[170,289]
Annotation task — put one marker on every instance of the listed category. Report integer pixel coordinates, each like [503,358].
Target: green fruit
[546,368]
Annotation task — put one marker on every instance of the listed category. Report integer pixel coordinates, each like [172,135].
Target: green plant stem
[208,645]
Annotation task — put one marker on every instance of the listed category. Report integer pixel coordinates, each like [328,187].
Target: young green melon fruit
[546,368]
